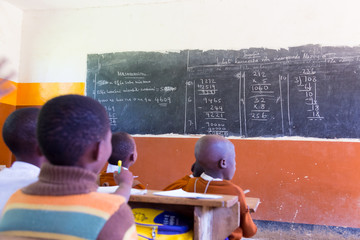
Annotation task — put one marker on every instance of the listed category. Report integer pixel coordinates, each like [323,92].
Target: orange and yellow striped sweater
[63,204]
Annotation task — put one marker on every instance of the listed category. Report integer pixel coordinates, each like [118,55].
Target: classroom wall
[300,181]
[314,182]
[10,39]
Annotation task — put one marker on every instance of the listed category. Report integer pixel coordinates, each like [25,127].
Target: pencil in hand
[119,166]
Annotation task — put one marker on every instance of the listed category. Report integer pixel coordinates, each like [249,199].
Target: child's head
[216,155]
[74,130]
[123,148]
[19,134]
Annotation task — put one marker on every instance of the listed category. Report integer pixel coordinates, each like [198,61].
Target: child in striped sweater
[74,134]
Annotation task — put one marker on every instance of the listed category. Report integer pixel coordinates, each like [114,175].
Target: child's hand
[124,177]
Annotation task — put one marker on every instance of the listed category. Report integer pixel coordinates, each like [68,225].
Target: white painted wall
[10,39]
[55,42]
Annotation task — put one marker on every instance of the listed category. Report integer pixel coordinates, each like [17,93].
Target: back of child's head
[19,131]
[123,146]
[68,125]
[216,155]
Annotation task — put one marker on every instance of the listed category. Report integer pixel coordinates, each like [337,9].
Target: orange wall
[297,181]
[30,95]
[5,154]
[7,106]
[315,182]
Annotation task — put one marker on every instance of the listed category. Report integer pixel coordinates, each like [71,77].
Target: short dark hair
[68,125]
[197,169]
[122,146]
[19,131]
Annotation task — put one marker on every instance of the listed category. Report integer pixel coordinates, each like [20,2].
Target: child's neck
[124,164]
[36,161]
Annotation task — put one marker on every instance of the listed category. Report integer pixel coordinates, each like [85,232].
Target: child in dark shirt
[124,149]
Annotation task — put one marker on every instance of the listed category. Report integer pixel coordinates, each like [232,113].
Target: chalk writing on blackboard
[309,91]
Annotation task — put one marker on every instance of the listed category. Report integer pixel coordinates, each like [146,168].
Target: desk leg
[215,223]
[203,222]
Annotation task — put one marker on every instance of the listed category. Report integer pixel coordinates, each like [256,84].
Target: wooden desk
[213,218]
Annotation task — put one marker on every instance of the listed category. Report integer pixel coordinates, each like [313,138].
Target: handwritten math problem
[308,91]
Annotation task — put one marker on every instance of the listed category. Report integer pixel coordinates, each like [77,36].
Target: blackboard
[308,91]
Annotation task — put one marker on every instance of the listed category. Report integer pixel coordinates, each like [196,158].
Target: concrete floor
[272,235]
[268,230]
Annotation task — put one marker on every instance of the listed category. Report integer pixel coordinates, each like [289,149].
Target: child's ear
[38,151]
[132,158]
[95,153]
[222,163]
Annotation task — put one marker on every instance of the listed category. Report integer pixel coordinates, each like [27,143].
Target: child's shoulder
[180,183]
[229,187]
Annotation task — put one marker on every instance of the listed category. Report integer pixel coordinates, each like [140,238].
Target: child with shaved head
[216,155]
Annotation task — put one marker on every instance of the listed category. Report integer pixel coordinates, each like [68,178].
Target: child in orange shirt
[216,155]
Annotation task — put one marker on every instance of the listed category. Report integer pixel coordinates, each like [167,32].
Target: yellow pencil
[119,164]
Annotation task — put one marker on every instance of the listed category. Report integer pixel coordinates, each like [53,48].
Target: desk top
[226,200]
